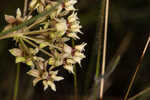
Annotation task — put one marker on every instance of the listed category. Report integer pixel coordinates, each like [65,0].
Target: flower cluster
[45,44]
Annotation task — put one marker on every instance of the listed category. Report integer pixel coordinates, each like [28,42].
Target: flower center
[45,75]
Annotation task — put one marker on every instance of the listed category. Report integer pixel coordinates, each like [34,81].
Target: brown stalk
[137,69]
[140,93]
[104,50]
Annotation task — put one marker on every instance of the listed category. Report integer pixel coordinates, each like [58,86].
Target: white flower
[50,35]
[69,68]
[58,59]
[73,17]
[73,35]
[16,52]
[18,15]
[77,59]
[49,83]
[55,12]
[39,5]
[48,78]
[32,4]
[11,19]
[67,49]
[61,26]
[70,61]
[69,5]
[80,47]
[75,27]
[79,54]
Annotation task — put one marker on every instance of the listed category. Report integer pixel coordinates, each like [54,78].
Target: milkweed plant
[45,44]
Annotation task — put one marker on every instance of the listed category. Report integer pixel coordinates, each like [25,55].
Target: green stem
[99,37]
[16,82]
[75,84]
[75,78]
[11,35]
[34,45]
[96,50]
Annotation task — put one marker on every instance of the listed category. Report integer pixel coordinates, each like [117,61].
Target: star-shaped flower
[48,77]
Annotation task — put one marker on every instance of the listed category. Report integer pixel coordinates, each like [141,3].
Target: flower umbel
[43,45]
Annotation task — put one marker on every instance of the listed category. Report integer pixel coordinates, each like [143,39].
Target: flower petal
[57,78]
[18,16]
[10,19]
[53,72]
[52,85]
[16,52]
[45,85]
[80,47]
[34,73]
[69,68]
[36,80]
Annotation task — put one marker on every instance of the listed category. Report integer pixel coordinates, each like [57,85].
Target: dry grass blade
[137,68]
[140,93]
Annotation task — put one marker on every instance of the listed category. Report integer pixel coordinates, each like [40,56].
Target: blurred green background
[126,16]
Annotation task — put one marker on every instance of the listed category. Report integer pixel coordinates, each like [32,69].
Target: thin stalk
[75,84]
[75,78]
[100,33]
[140,94]
[104,50]
[137,69]
[25,7]
[34,45]
[16,82]
[99,44]
[18,65]
[24,33]
[96,52]
[35,40]
[37,22]
[24,46]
